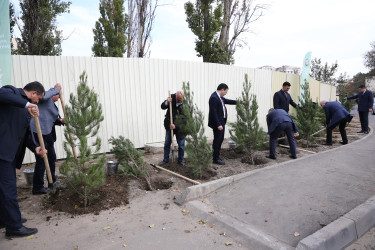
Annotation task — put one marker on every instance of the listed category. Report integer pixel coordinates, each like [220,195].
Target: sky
[333,30]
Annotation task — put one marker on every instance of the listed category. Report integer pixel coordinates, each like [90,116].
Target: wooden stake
[178,175]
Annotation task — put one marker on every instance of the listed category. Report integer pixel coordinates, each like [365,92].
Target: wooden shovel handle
[41,142]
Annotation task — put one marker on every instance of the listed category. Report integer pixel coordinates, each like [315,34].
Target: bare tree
[238,14]
[141,17]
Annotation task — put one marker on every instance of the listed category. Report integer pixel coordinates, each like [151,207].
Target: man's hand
[62,121]
[220,128]
[169,99]
[370,110]
[172,126]
[40,152]
[296,134]
[33,109]
[58,86]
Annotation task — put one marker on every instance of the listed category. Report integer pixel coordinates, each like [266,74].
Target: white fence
[132,89]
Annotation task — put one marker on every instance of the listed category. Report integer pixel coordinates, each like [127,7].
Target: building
[370,83]
[285,69]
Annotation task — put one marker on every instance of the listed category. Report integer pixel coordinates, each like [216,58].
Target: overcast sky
[333,30]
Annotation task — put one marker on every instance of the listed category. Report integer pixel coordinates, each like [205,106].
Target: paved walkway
[289,205]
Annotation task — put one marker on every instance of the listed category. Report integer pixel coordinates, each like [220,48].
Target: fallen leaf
[202,222]
[228,243]
[151,225]
[124,245]
[296,234]
[29,237]
[123,208]
[75,206]
[105,228]
[212,225]
[75,247]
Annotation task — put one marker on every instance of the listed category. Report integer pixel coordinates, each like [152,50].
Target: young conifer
[192,125]
[82,121]
[246,132]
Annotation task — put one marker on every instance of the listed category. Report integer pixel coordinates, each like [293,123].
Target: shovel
[52,186]
[171,120]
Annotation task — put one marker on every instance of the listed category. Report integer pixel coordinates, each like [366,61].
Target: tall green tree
[205,21]
[191,123]
[39,33]
[323,73]
[370,57]
[83,117]
[110,29]
[246,132]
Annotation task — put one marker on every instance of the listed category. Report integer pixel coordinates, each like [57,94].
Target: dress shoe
[2,225]
[21,232]
[271,157]
[181,163]
[43,190]
[327,143]
[360,131]
[343,142]
[293,157]
[365,132]
[163,163]
[219,162]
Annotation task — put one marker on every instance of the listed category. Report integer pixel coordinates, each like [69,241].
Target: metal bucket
[232,144]
[112,167]
[29,175]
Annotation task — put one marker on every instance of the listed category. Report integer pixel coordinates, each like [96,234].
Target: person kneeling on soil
[336,114]
[176,100]
[279,121]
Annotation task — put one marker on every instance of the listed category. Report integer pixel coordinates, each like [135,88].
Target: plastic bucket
[112,167]
[29,175]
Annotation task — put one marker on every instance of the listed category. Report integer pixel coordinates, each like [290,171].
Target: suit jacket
[176,112]
[216,113]
[277,116]
[365,100]
[282,101]
[14,125]
[48,112]
[335,112]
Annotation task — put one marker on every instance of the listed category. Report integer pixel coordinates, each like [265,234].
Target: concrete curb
[243,233]
[343,231]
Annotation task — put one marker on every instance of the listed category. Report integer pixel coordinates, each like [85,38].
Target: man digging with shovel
[174,101]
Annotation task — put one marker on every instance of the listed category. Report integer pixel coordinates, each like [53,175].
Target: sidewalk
[323,201]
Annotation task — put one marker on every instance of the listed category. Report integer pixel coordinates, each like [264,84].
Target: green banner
[305,71]
[5,48]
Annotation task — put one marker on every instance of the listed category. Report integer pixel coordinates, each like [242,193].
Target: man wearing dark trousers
[365,102]
[48,117]
[16,108]
[336,114]
[279,121]
[176,100]
[282,100]
[217,119]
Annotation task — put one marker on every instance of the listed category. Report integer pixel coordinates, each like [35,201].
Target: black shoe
[293,157]
[43,190]
[271,157]
[219,162]
[21,232]
[2,225]
[327,143]
[181,163]
[343,142]
[163,163]
[365,132]
[360,131]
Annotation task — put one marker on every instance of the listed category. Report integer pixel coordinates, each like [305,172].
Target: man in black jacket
[16,108]
[282,99]
[365,102]
[176,100]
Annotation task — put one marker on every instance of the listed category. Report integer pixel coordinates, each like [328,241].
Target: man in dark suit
[16,109]
[217,118]
[282,99]
[48,118]
[279,121]
[177,111]
[336,114]
[365,102]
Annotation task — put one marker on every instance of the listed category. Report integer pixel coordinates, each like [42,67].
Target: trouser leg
[167,145]
[292,142]
[216,145]
[181,148]
[10,213]
[342,126]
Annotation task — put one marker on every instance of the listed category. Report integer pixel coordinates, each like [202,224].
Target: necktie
[225,108]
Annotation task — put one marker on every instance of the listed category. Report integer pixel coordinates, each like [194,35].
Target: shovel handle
[41,142]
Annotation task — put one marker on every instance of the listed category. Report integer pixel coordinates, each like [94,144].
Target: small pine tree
[82,121]
[246,131]
[130,159]
[309,117]
[192,124]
